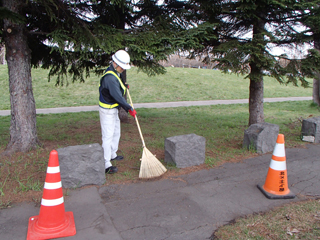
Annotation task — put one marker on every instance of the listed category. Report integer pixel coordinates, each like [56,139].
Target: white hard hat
[122,58]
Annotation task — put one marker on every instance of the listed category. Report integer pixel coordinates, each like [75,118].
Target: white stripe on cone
[278,165]
[53,169]
[51,186]
[51,203]
[279,150]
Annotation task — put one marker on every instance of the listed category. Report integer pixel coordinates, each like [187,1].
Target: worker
[112,90]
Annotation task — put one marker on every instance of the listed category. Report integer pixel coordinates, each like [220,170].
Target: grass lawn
[178,84]
[292,221]
[22,175]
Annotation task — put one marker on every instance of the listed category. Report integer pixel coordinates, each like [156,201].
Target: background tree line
[77,38]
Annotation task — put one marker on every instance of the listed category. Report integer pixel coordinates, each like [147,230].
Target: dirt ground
[22,175]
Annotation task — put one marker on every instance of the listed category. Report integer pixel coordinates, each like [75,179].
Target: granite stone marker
[261,137]
[81,165]
[310,130]
[185,150]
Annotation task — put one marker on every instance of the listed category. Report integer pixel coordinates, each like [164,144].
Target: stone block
[261,136]
[81,165]
[185,150]
[310,130]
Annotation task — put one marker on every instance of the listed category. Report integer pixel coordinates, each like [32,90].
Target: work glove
[133,112]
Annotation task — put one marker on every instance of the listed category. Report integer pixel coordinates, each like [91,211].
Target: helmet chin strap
[115,67]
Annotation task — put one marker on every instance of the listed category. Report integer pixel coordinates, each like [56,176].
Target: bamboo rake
[150,166]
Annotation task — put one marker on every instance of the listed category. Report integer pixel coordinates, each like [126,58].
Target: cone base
[68,228]
[290,195]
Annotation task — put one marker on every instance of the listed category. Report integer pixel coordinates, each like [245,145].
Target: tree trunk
[256,78]
[316,91]
[316,81]
[256,102]
[23,132]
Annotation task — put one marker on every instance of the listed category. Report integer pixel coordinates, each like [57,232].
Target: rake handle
[136,118]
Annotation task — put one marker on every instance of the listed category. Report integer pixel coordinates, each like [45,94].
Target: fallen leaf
[295,230]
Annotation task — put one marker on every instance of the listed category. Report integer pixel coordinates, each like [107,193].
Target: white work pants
[110,129]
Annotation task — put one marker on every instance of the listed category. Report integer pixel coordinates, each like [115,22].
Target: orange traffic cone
[276,184]
[52,221]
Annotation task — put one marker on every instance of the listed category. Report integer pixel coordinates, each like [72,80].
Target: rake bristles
[150,166]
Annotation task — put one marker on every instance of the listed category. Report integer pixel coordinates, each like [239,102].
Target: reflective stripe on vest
[106,105]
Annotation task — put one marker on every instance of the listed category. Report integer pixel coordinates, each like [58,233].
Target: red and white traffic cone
[52,221]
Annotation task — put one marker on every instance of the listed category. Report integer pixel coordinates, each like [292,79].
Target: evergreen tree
[245,30]
[311,20]
[74,38]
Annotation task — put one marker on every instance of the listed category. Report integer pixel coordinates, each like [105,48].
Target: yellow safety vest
[106,105]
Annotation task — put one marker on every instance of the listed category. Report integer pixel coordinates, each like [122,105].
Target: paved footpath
[188,207]
[159,105]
